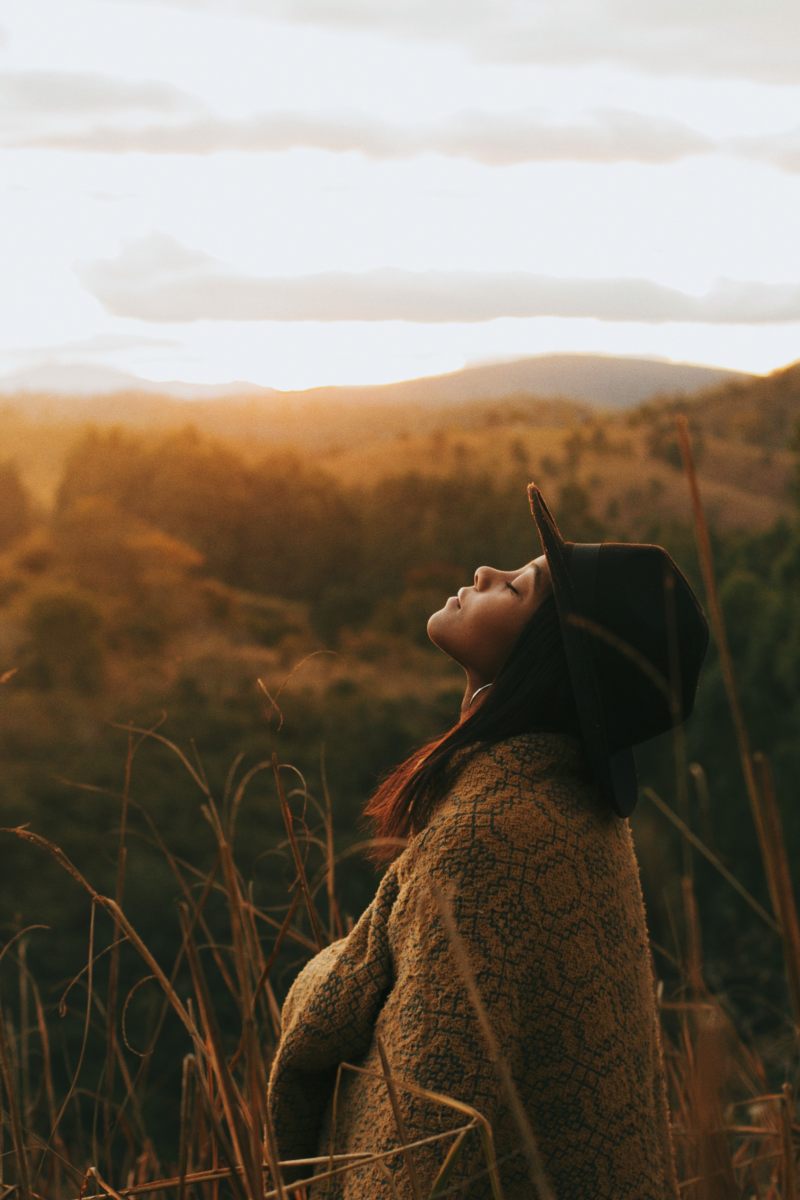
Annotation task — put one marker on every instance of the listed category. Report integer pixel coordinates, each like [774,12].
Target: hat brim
[615,772]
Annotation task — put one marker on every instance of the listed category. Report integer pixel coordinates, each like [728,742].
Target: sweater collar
[533,754]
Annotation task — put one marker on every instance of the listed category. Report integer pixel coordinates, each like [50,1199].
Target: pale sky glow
[298,193]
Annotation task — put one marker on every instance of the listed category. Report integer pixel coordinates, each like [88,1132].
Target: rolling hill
[761,411]
[625,456]
[604,381]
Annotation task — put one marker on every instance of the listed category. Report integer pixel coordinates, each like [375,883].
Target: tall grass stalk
[766,817]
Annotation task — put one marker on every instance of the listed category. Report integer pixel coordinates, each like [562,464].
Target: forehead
[541,568]
[539,563]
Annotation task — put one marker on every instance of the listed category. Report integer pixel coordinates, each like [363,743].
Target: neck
[473,694]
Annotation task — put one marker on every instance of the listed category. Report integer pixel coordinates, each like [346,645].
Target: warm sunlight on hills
[740,485]
[624,458]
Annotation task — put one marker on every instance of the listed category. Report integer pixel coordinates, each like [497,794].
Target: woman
[503,964]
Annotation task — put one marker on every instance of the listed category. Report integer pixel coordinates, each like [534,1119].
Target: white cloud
[90,112]
[158,279]
[751,39]
[492,138]
[36,105]
[100,343]
[780,150]
[50,93]
[754,39]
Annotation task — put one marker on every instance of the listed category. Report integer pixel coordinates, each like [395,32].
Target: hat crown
[644,631]
[634,637]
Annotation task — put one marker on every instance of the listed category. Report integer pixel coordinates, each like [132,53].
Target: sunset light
[305,194]
[399,605]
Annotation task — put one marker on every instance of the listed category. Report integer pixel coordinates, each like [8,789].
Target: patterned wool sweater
[545,894]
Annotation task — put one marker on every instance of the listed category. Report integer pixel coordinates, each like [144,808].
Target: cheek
[446,630]
[497,637]
[478,639]
[493,633]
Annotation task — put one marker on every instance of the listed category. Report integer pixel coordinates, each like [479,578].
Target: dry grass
[734,1136]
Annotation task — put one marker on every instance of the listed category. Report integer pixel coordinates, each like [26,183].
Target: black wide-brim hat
[635,637]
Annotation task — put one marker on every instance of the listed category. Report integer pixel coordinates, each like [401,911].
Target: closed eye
[514,590]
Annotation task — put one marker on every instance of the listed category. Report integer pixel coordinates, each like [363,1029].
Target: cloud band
[158,279]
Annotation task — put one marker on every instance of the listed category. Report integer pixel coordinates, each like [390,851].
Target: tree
[573,447]
[189,485]
[518,453]
[147,577]
[575,513]
[662,442]
[109,463]
[64,629]
[300,532]
[794,445]
[15,505]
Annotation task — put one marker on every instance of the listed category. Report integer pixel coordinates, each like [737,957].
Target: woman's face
[479,626]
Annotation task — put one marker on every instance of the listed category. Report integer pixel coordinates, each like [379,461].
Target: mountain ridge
[604,381]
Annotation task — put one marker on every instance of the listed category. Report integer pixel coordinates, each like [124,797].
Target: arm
[328,1017]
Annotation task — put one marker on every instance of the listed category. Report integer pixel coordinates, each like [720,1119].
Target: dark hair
[532,691]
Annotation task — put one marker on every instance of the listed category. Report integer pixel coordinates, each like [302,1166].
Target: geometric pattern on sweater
[545,892]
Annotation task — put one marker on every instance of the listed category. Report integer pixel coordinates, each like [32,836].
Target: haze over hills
[87,379]
[602,380]
[742,425]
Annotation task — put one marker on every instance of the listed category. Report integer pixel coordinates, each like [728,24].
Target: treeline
[129,511]
[149,539]
[162,560]
[759,411]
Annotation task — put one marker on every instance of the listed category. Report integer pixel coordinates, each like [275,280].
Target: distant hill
[626,457]
[604,381]
[87,380]
[601,380]
[760,411]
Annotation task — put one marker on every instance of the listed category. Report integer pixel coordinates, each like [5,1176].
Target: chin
[434,628]
[438,633]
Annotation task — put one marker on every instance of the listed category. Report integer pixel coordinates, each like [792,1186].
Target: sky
[308,192]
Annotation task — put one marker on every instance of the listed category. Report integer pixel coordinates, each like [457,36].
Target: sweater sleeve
[327,1017]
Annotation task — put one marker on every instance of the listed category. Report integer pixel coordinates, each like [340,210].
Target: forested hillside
[241,597]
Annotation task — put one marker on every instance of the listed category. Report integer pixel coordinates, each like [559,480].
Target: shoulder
[531,859]
[527,805]
[534,777]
